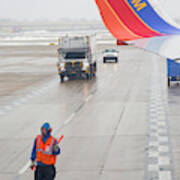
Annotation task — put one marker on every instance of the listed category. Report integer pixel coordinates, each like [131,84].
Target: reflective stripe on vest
[38,149]
[44,152]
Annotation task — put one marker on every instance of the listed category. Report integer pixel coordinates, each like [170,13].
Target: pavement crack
[105,155]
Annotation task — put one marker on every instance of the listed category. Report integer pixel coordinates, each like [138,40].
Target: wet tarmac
[105,121]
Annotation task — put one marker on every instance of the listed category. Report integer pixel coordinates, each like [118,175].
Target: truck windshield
[75,55]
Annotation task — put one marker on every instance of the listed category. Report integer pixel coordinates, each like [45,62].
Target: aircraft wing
[136,19]
[167,46]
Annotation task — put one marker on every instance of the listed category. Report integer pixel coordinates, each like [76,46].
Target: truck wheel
[62,78]
[94,71]
[95,66]
[87,76]
[169,82]
[91,75]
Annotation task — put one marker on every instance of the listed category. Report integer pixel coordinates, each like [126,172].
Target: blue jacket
[33,154]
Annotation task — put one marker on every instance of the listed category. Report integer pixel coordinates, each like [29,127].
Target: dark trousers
[45,173]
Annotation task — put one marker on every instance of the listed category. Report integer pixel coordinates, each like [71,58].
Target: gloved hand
[33,165]
[56,148]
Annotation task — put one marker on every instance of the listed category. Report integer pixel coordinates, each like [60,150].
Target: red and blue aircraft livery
[133,19]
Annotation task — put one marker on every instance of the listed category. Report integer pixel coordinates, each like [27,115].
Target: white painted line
[89,98]
[165,175]
[163,149]
[153,127]
[25,168]
[154,143]
[69,119]
[159,148]
[162,123]
[153,154]
[153,110]
[153,167]
[153,119]
[163,139]
[154,134]
[163,131]
[164,161]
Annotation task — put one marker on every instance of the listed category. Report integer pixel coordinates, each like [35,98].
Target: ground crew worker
[44,152]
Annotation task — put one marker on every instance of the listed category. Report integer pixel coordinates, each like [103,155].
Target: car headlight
[61,66]
[85,66]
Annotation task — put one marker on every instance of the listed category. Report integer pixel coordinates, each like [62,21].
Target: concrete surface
[105,120]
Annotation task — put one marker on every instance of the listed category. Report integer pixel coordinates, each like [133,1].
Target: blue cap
[46,126]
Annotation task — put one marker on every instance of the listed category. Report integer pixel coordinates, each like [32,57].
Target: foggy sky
[51,9]
[56,9]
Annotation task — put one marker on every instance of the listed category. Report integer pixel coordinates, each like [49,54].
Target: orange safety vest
[44,152]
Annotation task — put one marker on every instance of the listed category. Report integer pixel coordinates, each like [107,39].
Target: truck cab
[76,58]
